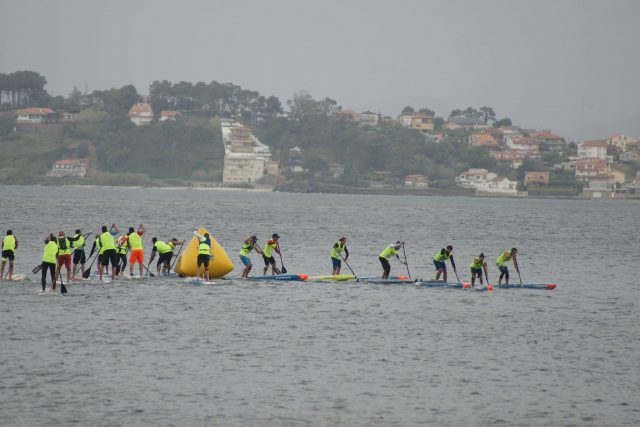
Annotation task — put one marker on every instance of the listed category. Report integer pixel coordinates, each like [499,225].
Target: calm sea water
[164,353]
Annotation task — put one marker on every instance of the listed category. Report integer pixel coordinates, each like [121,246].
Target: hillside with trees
[309,142]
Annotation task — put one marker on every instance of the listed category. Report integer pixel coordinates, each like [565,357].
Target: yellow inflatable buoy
[219,264]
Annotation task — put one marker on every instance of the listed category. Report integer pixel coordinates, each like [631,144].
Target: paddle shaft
[406,263]
[347,264]
[176,258]
[283,269]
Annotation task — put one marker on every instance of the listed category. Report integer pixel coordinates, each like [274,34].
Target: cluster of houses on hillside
[595,164]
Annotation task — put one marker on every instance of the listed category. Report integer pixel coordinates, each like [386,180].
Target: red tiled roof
[140,108]
[594,143]
[545,134]
[71,161]
[596,164]
[485,140]
[169,113]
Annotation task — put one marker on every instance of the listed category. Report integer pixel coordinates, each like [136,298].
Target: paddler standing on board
[64,255]
[384,256]
[502,261]
[248,245]
[49,260]
[107,253]
[439,262]
[165,249]
[269,260]
[336,255]
[204,253]
[477,265]
[137,252]
[9,246]
[79,257]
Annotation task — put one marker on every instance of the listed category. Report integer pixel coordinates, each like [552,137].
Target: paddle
[176,258]
[75,269]
[347,264]
[87,272]
[283,270]
[404,253]
[456,273]
[146,268]
[36,269]
[454,270]
[274,268]
[518,270]
[63,288]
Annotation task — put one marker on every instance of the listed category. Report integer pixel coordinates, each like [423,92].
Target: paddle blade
[63,289]
[118,269]
[277,271]
[86,273]
[283,270]
[37,268]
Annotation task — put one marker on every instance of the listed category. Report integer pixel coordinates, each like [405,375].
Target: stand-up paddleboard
[219,263]
[452,285]
[128,277]
[380,281]
[332,278]
[400,277]
[19,277]
[53,294]
[548,286]
[198,281]
[284,277]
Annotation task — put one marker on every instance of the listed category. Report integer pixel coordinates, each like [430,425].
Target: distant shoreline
[346,190]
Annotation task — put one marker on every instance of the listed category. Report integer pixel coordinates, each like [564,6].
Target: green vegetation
[318,148]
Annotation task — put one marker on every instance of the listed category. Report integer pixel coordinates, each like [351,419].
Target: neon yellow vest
[442,257]
[204,248]
[9,243]
[122,249]
[268,248]
[390,251]
[135,241]
[79,244]
[477,263]
[64,246]
[335,252]
[504,258]
[50,252]
[246,248]
[106,242]
[163,247]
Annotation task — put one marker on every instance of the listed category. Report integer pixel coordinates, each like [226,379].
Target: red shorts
[66,259]
[137,255]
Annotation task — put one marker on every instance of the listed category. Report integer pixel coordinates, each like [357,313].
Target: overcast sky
[569,66]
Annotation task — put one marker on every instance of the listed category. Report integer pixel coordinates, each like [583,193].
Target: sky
[571,66]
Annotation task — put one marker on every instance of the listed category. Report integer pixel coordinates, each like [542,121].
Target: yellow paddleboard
[219,264]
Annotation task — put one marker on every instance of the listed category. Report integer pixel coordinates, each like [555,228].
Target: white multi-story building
[499,185]
[141,114]
[474,178]
[245,156]
[70,167]
[594,148]
[35,115]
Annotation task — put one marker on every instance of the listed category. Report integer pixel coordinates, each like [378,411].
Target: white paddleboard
[199,281]
[53,294]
